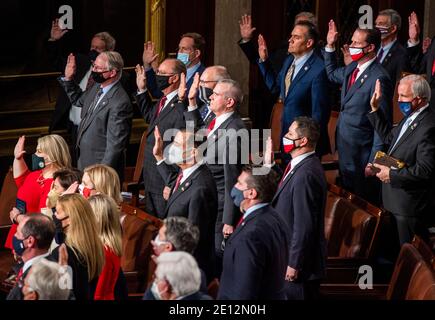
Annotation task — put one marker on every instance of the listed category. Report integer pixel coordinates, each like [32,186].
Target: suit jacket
[152,86]
[225,159]
[255,259]
[308,95]
[16,292]
[356,140]
[104,137]
[300,202]
[396,62]
[196,200]
[411,191]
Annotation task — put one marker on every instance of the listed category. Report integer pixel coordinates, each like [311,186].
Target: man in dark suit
[224,156]
[256,254]
[356,140]
[106,113]
[302,81]
[391,55]
[300,202]
[190,52]
[193,193]
[167,114]
[408,193]
[31,242]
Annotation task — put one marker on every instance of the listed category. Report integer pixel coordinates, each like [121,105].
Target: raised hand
[414,28]
[70,69]
[158,145]
[182,89]
[19,148]
[56,31]
[149,54]
[246,29]
[72,188]
[141,79]
[193,92]
[374,102]
[262,48]
[268,153]
[63,255]
[426,44]
[347,59]
[332,36]
[166,192]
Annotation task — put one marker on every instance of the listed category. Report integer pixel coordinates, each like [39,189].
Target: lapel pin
[182,189]
[306,68]
[414,125]
[187,184]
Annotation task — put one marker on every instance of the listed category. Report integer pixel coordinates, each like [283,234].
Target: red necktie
[287,170]
[211,125]
[19,275]
[352,78]
[433,67]
[177,184]
[241,221]
[161,105]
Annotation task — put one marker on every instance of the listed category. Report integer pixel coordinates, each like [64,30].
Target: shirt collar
[301,60]
[254,208]
[32,261]
[191,71]
[388,46]
[189,171]
[364,66]
[221,119]
[295,161]
[416,113]
[169,97]
[110,86]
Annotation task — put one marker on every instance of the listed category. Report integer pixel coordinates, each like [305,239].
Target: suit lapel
[302,72]
[216,134]
[163,114]
[184,186]
[387,59]
[358,83]
[408,131]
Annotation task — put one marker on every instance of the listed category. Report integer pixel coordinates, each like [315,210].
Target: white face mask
[175,155]
[155,291]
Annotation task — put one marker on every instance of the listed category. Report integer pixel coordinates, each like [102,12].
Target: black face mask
[38,163]
[59,235]
[93,54]
[162,82]
[205,94]
[98,77]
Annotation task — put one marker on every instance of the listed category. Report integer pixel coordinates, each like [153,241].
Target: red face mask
[289,145]
[86,192]
[357,53]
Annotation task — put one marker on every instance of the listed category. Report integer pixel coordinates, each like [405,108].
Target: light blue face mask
[184,57]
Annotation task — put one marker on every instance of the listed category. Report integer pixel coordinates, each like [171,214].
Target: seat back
[8,197]
[276,124]
[351,224]
[213,288]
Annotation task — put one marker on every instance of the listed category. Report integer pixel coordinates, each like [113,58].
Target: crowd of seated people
[257,229]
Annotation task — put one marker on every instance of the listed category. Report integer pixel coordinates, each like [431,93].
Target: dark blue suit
[300,202]
[308,95]
[152,86]
[255,259]
[356,140]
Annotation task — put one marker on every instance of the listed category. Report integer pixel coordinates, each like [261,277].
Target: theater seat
[213,288]
[8,197]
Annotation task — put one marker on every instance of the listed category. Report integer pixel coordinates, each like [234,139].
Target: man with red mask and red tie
[300,201]
[356,140]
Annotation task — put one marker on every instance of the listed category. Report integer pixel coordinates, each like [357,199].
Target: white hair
[46,278]
[180,270]
[420,87]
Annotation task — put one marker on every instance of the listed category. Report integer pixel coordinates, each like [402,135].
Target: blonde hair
[56,148]
[105,180]
[81,235]
[108,224]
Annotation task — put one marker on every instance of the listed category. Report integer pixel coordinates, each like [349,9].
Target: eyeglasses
[100,69]
[158,242]
[160,73]
[205,82]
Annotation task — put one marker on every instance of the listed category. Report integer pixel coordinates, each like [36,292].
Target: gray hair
[46,278]
[395,17]
[234,90]
[181,270]
[108,40]
[420,87]
[183,235]
[309,16]
[220,72]
[114,61]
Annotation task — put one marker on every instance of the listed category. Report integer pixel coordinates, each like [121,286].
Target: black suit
[396,61]
[255,259]
[16,292]
[410,195]
[196,200]
[104,133]
[300,201]
[170,118]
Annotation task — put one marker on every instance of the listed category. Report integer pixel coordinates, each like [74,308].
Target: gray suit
[104,134]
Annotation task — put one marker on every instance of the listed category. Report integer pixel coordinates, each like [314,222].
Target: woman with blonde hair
[100,178]
[51,154]
[75,217]
[109,229]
